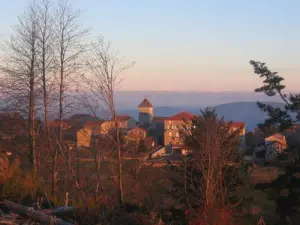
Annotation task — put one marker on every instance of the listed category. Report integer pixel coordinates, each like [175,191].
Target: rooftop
[182,116]
[145,104]
[236,124]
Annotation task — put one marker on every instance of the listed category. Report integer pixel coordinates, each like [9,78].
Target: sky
[191,45]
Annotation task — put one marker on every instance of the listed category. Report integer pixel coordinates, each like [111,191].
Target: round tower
[145,112]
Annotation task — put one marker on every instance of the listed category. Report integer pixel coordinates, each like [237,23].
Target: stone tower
[145,112]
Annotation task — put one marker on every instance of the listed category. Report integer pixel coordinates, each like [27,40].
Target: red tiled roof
[235,124]
[182,116]
[145,104]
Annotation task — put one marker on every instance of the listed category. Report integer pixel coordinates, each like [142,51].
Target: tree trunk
[61,91]
[33,214]
[121,197]
[32,155]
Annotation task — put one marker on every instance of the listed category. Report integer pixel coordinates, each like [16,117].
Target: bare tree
[105,74]
[19,83]
[207,177]
[67,37]
[68,47]
[45,40]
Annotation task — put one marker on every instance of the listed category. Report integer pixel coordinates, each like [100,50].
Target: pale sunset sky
[191,45]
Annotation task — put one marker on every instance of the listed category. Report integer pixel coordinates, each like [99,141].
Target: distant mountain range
[131,99]
[238,106]
[247,112]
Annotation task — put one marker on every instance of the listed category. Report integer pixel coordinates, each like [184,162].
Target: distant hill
[247,112]
[131,99]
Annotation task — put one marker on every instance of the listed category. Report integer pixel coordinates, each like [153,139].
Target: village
[197,123]
[158,139]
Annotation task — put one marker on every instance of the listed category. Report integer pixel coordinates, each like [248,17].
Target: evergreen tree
[288,202]
[272,85]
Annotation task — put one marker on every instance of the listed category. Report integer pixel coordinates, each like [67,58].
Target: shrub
[17,183]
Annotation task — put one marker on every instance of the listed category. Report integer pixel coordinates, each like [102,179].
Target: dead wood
[34,214]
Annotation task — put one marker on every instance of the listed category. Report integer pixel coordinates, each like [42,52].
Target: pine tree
[288,203]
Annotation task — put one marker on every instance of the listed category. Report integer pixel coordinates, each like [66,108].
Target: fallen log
[33,214]
[59,210]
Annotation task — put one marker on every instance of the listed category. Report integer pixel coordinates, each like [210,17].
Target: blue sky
[192,45]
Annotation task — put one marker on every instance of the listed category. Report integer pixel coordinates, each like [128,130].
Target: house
[78,136]
[97,126]
[276,141]
[275,144]
[269,150]
[126,122]
[174,125]
[137,133]
[83,137]
[241,126]
[235,125]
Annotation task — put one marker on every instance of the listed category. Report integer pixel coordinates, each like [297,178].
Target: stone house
[269,150]
[137,133]
[241,126]
[277,142]
[98,126]
[126,122]
[133,136]
[174,125]
[78,136]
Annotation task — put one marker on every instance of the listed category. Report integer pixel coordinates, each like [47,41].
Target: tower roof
[145,104]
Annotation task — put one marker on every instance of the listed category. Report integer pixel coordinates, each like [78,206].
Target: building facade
[174,125]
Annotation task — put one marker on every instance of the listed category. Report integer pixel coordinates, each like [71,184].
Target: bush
[17,183]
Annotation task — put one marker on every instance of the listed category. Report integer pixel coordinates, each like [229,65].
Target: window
[170,134]
[177,134]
